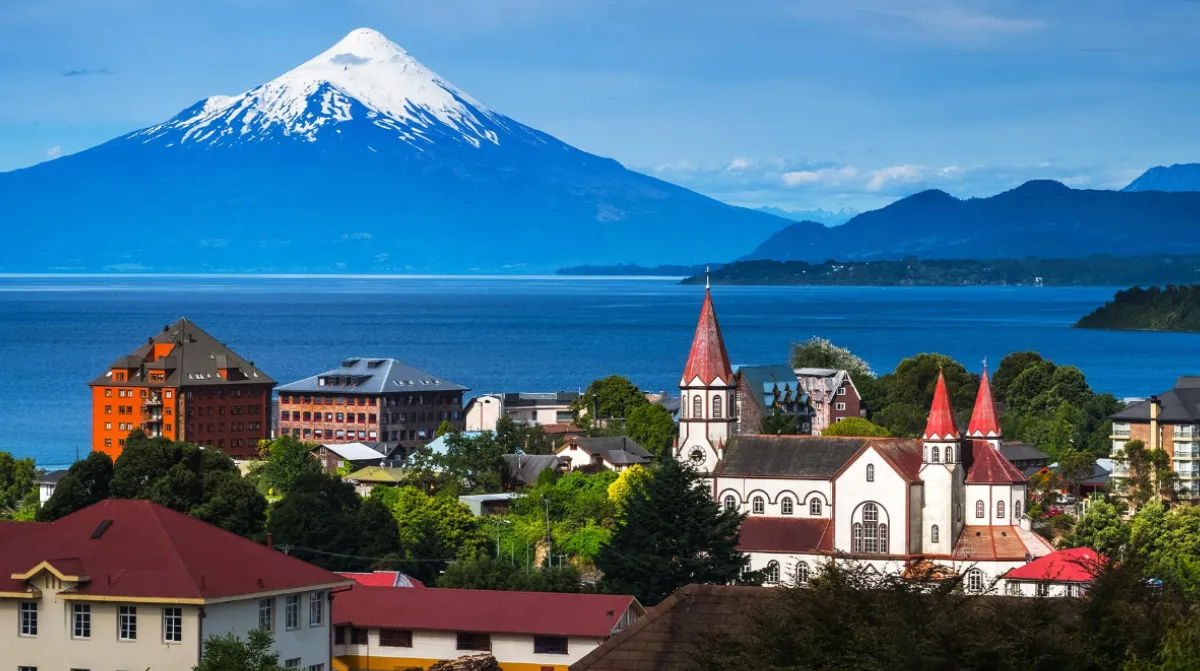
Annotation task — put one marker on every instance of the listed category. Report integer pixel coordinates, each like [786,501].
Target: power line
[287,548]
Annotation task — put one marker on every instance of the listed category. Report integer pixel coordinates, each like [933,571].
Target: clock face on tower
[697,455]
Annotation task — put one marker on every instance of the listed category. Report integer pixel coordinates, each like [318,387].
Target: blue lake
[525,334]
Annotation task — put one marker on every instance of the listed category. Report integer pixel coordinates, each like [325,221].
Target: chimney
[1155,409]
[270,540]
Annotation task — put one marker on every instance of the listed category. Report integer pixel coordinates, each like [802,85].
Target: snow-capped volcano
[359,160]
[364,76]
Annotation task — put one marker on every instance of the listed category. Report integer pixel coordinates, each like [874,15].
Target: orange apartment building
[183,384]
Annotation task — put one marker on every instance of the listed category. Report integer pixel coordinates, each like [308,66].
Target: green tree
[902,419]
[909,392]
[821,353]
[1010,367]
[630,479]
[652,426]
[525,438]
[85,483]
[433,530]
[779,424]
[285,460]
[377,531]
[145,462]
[856,426]
[672,534]
[232,503]
[1029,384]
[180,489]
[231,653]
[16,484]
[499,574]
[445,427]
[317,516]
[607,400]
[577,507]
[1102,529]
[1075,466]
[472,465]
[1168,541]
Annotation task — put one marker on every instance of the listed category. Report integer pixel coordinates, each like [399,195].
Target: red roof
[1074,565]
[987,543]
[983,418]
[778,534]
[482,611]
[989,466]
[708,359]
[903,454]
[384,579]
[941,424]
[149,551]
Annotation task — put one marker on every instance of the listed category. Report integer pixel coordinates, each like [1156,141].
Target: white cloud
[830,176]
[739,164]
[356,236]
[904,174]
[54,152]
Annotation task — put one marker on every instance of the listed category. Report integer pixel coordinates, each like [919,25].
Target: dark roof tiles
[195,359]
[778,534]
[795,456]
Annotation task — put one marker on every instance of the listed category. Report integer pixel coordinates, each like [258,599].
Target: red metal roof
[384,579]
[984,422]
[903,454]
[1074,565]
[989,466]
[482,611]
[780,534]
[708,359]
[941,425]
[152,552]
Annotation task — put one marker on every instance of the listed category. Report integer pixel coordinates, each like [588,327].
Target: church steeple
[708,359]
[941,425]
[708,395]
[984,422]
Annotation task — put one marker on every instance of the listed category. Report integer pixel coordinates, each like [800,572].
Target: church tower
[984,423]
[707,409]
[942,474]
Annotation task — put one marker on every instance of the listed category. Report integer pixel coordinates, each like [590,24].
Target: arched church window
[801,573]
[814,507]
[772,576]
[949,454]
[786,505]
[716,407]
[697,407]
[975,581]
[730,502]
[857,545]
[870,513]
[760,506]
[934,454]
[1017,508]
[870,472]
[1000,510]
[980,509]
[934,536]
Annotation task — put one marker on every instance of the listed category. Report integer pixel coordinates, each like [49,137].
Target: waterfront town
[374,516]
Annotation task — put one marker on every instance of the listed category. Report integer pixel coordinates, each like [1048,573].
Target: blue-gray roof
[372,376]
[766,381]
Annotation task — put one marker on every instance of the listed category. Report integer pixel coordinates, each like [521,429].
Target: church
[948,502]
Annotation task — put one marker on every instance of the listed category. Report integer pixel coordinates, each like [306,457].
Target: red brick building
[832,395]
[182,384]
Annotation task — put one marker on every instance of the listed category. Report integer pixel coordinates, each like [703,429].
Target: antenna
[706,285]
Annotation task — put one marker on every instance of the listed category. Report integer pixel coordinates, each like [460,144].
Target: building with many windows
[949,499]
[547,409]
[183,384]
[764,391]
[1171,422]
[376,400]
[129,584]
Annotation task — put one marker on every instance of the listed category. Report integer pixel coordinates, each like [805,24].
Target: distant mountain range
[359,160]
[1179,177]
[821,216]
[1039,218]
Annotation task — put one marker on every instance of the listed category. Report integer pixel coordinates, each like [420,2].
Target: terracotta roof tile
[985,543]
[708,359]
[778,534]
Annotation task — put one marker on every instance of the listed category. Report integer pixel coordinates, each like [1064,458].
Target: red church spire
[708,359]
[984,423]
[941,424]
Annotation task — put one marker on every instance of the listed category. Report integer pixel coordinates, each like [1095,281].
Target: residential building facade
[1169,421]
[615,453]
[183,384]
[1061,573]
[399,628]
[131,585]
[546,409]
[763,391]
[376,400]
[832,395]
[336,457]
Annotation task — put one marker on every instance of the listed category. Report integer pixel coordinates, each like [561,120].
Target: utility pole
[549,541]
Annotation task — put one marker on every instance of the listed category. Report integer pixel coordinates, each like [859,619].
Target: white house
[949,499]
[616,453]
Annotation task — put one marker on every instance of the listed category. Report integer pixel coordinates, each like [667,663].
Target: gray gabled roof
[796,456]
[372,376]
[195,359]
[1014,451]
[765,381]
[1181,405]
[51,478]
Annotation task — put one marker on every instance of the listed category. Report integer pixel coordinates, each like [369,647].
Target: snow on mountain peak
[364,67]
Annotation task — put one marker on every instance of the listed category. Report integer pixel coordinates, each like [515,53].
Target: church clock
[697,455]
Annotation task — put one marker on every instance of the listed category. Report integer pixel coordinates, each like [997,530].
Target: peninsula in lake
[1174,308]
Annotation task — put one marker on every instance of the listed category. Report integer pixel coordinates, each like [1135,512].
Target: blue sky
[800,104]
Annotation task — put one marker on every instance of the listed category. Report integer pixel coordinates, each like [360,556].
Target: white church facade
[946,502]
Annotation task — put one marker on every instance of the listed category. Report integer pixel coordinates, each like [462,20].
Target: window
[839,406]
[730,502]
[934,535]
[316,609]
[358,636]
[1000,510]
[786,506]
[1074,590]
[1043,589]
[1017,508]
[395,638]
[975,581]
[473,641]
[979,509]
[716,407]
[857,545]
[1013,588]
[772,574]
[173,625]
[841,391]
[949,454]
[26,668]
[266,608]
[29,610]
[870,472]
[697,407]
[291,611]
[293,663]
[550,645]
[81,621]
[814,507]
[760,506]
[883,539]
[316,667]
[127,623]
[801,573]
[934,454]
